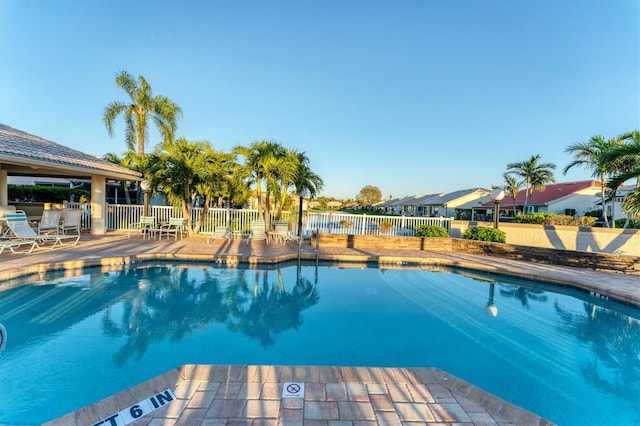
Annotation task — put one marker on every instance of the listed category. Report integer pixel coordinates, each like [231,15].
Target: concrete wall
[587,239]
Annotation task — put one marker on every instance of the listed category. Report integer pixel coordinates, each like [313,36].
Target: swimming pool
[75,339]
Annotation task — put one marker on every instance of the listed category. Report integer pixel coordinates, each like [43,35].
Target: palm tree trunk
[187,216]
[604,207]
[267,210]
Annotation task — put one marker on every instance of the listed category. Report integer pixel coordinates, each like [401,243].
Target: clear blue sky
[412,96]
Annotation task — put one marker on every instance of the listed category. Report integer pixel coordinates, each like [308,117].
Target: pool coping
[253,395]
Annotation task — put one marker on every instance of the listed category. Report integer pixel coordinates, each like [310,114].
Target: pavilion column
[98,205]
[4,191]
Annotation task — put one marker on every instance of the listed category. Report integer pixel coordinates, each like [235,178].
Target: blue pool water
[74,340]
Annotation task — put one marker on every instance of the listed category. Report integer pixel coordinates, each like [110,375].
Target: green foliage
[633,223]
[594,213]
[45,194]
[554,219]
[483,233]
[431,231]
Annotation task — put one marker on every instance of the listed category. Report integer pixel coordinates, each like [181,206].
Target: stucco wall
[598,240]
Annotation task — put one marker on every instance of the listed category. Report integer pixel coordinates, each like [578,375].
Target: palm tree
[142,108]
[260,170]
[512,187]
[294,171]
[590,155]
[185,170]
[627,156]
[534,175]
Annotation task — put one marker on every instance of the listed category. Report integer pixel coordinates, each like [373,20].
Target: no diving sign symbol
[293,390]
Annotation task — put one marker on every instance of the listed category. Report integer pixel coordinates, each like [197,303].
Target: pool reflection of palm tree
[271,309]
[523,294]
[615,342]
[172,305]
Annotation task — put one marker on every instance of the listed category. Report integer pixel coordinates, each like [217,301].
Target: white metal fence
[120,216]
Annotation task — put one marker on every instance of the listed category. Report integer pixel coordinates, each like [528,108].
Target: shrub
[633,223]
[483,233]
[431,231]
[42,193]
[554,219]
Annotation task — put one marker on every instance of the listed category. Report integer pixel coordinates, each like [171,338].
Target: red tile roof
[549,194]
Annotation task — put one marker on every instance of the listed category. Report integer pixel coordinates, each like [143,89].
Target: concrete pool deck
[252,395]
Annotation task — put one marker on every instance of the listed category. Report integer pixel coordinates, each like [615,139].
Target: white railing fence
[120,216]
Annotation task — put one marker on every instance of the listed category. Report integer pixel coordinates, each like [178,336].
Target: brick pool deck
[253,395]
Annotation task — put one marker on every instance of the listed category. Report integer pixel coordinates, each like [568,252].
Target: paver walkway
[252,395]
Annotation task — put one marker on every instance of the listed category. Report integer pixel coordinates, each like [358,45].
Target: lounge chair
[257,231]
[20,229]
[50,222]
[13,244]
[175,227]
[3,225]
[72,221]
[220,233]
[281,233]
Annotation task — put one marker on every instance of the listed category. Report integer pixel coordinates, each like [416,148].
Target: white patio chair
[71,221]
[257,231]
[220,233]
[50,222]
[146,226]
[281,233]
[175,227]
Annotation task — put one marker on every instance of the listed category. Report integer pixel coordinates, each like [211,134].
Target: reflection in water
[168,305]
[269,309]
[523,294]
[174,305]
[615,342]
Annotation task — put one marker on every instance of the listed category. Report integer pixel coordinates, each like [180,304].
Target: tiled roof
[18,147]
[549,194]
[450,196]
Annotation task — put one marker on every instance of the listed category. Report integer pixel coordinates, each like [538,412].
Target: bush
[45,194]
[431,231]
[483,233]
[554,219]
[633,223]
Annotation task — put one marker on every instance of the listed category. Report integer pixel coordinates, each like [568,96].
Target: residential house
[446,204]
[613,205]
[573,198]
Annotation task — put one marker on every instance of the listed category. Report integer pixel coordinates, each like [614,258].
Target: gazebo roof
[24,154]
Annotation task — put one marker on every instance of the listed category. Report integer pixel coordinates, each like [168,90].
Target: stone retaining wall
[596,261]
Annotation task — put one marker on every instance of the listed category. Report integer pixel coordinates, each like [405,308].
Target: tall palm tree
[294,171]
[627,154]
[512,187]
[534,175]
[142,108]
[261,159]
[590,155]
